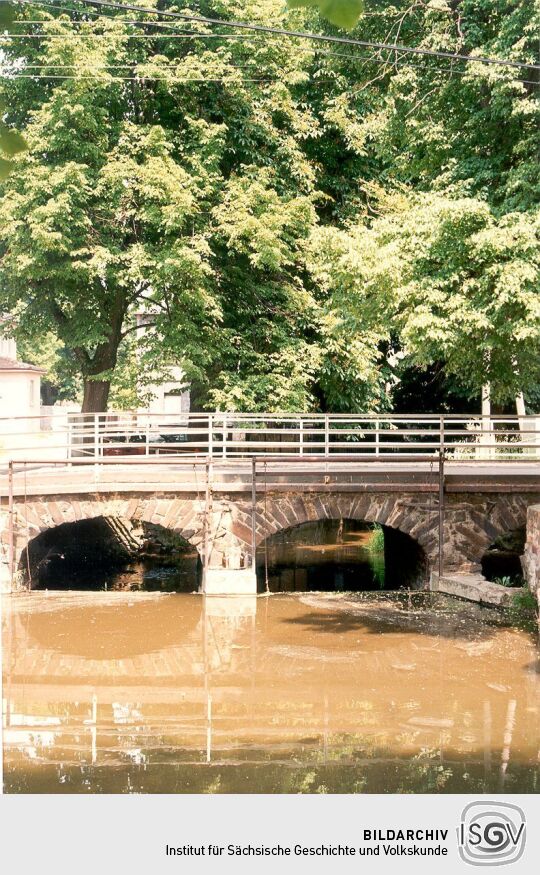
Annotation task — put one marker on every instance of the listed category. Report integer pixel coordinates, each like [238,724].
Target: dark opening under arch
[502,559]
[340,556]
[107,553]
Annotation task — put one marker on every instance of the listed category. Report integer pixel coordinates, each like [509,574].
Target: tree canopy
[298,222]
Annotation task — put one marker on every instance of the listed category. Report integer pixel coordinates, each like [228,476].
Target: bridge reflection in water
[120,692]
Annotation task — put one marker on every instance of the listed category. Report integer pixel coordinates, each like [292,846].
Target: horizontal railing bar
[119,428]
[202,460]
[231,417]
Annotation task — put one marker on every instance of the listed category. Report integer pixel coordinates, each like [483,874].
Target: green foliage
[7,15]
[343,13]
[11,143]
[376,542]
[523,610]
[525,601]
[454,281]
[508,581]
[60,381]
[291,218]
[375,548]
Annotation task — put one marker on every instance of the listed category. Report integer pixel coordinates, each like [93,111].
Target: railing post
[253,511]
[441,435]
[206,526]
[211,435]
[69,451]
[441,511]
[377,438]
[147,438]
[326,435]
[96,435]
[11,524]
[224,437]
[301,436]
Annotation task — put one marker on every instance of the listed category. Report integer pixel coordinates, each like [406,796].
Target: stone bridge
[226,514]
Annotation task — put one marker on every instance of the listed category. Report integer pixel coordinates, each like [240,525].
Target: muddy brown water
[314,693]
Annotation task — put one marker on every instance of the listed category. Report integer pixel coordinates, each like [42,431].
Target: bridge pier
[230,581]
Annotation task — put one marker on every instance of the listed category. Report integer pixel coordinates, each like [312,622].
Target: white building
[20,390]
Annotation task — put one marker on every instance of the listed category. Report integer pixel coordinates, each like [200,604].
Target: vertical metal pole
[253,510]
[265,524]
[326,435]
[147,438]
[206,531]
[441,510]
[224,435]
[211,435]
[93,728]
[208,727]
[486,431]
[69,439]
[301,436]
[11,554]
[96,435]
[377,438]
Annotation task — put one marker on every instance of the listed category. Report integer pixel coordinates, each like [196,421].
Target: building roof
[12,365]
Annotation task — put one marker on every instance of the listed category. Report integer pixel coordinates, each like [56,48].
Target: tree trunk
[102,363]
[96,396]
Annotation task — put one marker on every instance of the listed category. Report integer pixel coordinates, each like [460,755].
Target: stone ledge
[474,588]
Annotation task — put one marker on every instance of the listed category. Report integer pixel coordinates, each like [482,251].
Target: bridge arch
[419,521]
[472,520]
[340,555]
[37,522]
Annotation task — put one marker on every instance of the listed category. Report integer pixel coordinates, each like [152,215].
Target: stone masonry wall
[472,521]
[531,557]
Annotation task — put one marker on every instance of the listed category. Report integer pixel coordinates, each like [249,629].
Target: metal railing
[222,436]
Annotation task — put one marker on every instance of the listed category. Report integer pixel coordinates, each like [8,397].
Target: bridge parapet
[221,436]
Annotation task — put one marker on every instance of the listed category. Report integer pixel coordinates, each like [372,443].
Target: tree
[184,189]
[249,195]
[101,218]
[456,283]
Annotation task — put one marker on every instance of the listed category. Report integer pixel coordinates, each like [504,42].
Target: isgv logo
[491,833]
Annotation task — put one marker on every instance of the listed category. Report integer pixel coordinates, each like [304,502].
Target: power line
[375,58]
[76,35]
[143,77]
[259,28]
[167,79]
[448,70]
[86,68]
[349,58]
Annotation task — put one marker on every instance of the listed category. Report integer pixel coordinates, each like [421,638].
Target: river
[141,692]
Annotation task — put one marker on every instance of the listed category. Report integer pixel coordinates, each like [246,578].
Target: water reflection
[344,555]
[112,692]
